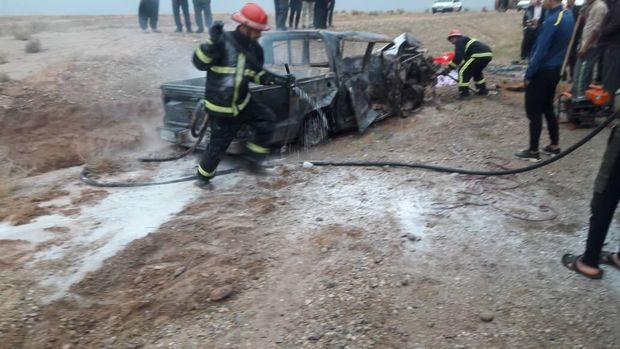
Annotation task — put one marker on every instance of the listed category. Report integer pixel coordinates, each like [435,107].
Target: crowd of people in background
[318,14]
[303,14]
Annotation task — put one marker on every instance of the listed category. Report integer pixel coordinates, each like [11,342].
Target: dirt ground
[305,257]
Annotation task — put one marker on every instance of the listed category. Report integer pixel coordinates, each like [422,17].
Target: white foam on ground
[103,229]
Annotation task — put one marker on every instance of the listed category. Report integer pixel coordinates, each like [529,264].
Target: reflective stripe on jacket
[229,72]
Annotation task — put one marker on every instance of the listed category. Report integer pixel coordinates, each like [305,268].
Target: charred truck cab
[340,76]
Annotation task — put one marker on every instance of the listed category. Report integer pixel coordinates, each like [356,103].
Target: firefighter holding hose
[232,59]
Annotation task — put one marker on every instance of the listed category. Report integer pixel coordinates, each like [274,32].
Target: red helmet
[253,16]
[454,32]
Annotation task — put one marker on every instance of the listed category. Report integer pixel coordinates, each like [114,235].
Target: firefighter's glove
[284,80]
[290,80]
[216,30]
[445,71]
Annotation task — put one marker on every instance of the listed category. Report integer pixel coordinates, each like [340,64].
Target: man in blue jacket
[543,75]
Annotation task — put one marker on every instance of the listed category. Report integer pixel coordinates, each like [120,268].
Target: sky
[103,7]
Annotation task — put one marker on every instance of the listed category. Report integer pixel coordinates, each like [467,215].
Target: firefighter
[232,59]
[470,58]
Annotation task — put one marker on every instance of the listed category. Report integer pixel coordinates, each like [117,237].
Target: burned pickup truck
[344,81]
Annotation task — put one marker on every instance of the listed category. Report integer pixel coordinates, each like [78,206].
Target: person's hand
[582,52]
[216,30]
[290,80]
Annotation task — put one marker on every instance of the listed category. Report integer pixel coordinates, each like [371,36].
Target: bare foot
[586,269]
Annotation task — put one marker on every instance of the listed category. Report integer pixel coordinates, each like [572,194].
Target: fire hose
[87,178]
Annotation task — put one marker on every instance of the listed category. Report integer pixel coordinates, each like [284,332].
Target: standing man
[232,60]
[572,55]
[293,21]
[470,58]
[589,51]
[543,75]
[281,13]
[307,14]
[203,7]
[148,13]
[533,17]
[607,186]
[330,13]
[320,14]
[181,5]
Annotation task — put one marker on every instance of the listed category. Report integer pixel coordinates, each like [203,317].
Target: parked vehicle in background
[344,75]
[447,6]
[523,4]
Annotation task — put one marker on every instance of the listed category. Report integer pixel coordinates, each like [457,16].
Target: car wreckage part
[86,176]
[314,130]
[199,117]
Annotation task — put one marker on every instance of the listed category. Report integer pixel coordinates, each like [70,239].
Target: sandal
[570,262]
[608,258]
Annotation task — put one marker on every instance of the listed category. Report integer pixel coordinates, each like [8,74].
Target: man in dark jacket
[148,13]
[178,5]
[533,17]
[607,186]
[232,60]
[470,58]
[542,77]
[203,7]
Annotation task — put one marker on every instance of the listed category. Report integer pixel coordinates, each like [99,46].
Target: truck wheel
[314,130]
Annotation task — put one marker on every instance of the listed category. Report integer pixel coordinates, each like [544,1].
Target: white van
[447,6]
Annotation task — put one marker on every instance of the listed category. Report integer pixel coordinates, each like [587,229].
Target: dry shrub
[3,58]
[4,77]
[21,33]
[34,46]
[24,32]
[356,13]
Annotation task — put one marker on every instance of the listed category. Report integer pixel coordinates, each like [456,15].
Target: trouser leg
[198,15]
[223,130]
[465,74]
[185,8]
[177,15]
[611,70]
[154,14]
[143,15]
[534,109]
[208,14]
[260,118]
[583,72]
[478,68]
[604,201]
[552,78]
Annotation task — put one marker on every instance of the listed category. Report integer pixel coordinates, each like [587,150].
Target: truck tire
[314,130]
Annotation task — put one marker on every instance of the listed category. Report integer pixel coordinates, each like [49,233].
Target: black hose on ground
[85,175]
[472,172]
[86,178]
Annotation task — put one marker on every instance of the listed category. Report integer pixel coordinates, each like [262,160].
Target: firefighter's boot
[254,158]
[482,89]
[464,93]
[204,178]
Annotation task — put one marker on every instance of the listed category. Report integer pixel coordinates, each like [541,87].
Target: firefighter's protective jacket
[467,48]
[229,72]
